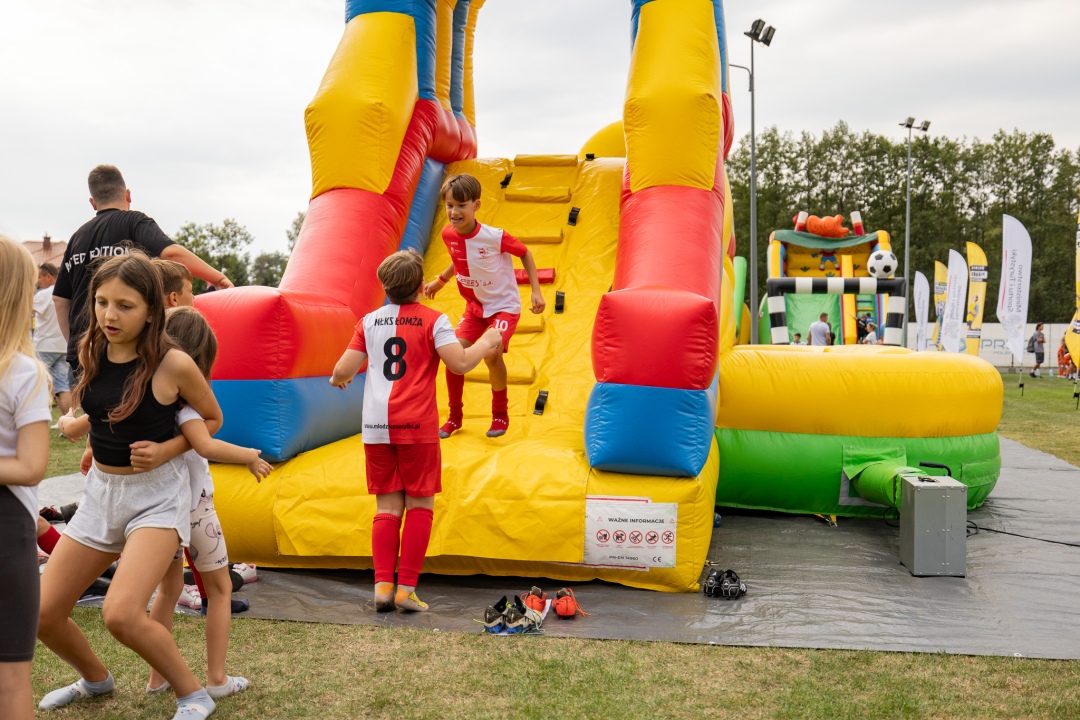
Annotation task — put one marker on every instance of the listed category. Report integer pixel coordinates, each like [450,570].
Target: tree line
[959,191]
[225,247]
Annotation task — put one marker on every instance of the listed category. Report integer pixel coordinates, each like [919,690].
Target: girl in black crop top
[133,380]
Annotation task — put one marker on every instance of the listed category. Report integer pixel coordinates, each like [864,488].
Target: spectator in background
[860,326]
[871,334]
[797,339]
[1066,368]
[114,230]
[1038,340]
[49,342]
[820,332]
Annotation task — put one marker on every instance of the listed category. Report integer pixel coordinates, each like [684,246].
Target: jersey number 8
[394,349]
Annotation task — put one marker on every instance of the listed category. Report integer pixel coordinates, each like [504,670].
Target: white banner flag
[953,330]
[1012,309]
[922,309]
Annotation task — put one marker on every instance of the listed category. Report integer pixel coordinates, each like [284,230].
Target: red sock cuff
[385,537]
[414,544]
[498,401]
[47,540]
[455,390]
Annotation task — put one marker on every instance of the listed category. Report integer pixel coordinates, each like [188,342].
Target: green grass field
[301,670]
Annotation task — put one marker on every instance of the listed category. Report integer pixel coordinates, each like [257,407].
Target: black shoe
[238,606]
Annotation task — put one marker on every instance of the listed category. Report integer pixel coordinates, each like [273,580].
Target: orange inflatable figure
[830,227]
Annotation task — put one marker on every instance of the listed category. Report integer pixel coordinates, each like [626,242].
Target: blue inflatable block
[457,57]
[283,418]
[649,430]
[423,14]
[425,204]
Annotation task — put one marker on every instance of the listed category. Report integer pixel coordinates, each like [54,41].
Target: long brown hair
[135,271]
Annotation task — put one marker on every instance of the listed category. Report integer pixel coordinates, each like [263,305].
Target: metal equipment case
[933,525]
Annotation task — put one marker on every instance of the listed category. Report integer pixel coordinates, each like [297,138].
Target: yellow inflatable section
[511,502]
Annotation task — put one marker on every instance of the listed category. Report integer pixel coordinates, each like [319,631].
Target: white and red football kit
[485,269]
[399,388]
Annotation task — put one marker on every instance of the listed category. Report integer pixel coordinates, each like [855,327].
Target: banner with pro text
[1012,308]
[977,277]
[922,309]
[941,282]
[953,329]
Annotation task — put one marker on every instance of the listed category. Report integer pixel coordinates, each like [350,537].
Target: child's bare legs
[70,570]
[147,555]
[164,606]
[16,694]
[218,623]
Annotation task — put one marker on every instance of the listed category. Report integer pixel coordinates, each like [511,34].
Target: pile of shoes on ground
[525,613]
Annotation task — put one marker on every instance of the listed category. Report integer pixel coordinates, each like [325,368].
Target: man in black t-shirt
[115,230]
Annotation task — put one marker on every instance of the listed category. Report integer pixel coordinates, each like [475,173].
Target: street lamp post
[909,123]
[757,33]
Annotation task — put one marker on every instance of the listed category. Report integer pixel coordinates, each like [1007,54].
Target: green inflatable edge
[803,473]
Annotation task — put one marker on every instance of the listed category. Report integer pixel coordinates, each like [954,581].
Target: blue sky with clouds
[201,103]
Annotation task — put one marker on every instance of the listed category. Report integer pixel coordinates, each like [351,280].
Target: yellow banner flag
[977,277]
[941,285]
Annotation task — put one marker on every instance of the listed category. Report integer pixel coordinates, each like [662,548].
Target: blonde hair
[173,275]
[401,275]
[193,334]
[16,305]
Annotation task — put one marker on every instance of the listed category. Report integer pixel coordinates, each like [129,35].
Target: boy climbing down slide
[404,341]
[481,259]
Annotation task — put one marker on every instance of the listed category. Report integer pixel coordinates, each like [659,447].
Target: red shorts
[473,325]
[415,468]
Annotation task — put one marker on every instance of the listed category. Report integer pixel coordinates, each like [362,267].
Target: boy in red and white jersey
[481,257]
[403,342]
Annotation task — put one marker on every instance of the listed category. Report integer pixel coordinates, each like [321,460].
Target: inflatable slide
[633,412]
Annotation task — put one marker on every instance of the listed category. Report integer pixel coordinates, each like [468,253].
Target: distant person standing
[871,337]
[114,230]
[797,340]
[49,342]
[1038,341]
[820,331]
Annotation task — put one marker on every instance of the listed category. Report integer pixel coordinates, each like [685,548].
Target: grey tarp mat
[810,585]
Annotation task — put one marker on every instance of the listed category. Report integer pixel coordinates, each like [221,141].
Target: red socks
[385,531]
[414,544]
[498,402]
[455,389]
[47,540]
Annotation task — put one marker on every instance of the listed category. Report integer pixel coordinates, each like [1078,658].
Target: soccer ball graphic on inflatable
[882,264]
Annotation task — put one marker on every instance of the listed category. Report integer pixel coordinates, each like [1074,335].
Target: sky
[200,102]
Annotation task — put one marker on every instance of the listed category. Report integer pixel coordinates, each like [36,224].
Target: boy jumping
[403,342]
[480,257]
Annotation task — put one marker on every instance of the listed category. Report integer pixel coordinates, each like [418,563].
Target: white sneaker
[190,597]
[246,571]
[55,425]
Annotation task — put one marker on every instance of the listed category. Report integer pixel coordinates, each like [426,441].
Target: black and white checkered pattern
[895,288]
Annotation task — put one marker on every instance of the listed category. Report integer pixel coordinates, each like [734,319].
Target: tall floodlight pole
[757,33]
[909,123]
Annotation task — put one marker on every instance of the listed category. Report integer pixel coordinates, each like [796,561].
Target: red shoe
[566,605]
[535,599]
[451,425]
[499,424]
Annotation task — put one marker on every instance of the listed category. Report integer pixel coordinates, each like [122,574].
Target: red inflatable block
[656,336]
[669,236]
[270,334]
[545,276]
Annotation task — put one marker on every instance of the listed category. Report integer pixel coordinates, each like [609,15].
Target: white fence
[994,349]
